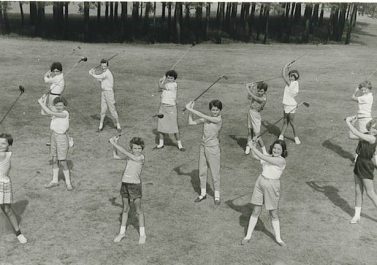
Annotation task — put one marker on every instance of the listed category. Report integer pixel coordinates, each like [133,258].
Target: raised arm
[99,76]
[278,161]
[252,95]
[123,151]
[284,74]
[161,83]
[358,135]
[190,108]
[355,94]
[49,111]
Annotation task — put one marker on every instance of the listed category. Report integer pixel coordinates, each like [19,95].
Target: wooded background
[183,22]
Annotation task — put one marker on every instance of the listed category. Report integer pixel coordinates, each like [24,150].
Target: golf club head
[21,88]
[159,115]
[225,77]
[83,59]
[306,104]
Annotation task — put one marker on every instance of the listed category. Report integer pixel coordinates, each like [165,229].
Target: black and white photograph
[182,133]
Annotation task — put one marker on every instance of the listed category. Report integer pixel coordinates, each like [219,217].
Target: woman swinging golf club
[55,78]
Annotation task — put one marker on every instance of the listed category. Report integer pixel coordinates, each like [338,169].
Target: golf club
[306,104]
[108,59]
[82,59]
[22,90]
[158,115]
[183,56]
[201,94]
[292,62]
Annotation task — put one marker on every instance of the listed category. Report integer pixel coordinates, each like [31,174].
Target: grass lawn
[78,227]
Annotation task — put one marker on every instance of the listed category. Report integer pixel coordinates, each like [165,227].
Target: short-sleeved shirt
[60,125]
[271,171]
[169,94]
[365,105]
[211,133]
[290,92]
[258,106]
[106,79]
[57,83]
[132,172]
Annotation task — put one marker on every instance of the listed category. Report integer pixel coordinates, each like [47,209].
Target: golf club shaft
[11,107]
[201,94]
[183,56]
[112,57]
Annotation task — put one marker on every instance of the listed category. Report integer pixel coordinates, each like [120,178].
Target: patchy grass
[78,227]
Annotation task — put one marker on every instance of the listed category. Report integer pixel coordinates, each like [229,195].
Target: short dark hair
[8,137]
[366,84]
[283,146]
[295,74]
[56,65]
[105,61]
[217,103]
[262,85]
[171,73]
[60,99]
[137,141]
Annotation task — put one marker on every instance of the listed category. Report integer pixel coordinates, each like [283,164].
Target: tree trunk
[199,23]
[293,10]
[21,13]
[342,21]
[39,29]
[99,12]
[5,17]
[351,22]
[267,18]
[233,22]
[163,11]
[315,14]
[287,8]
[123,23]
[111,12]
[208,16]
[246,22]
[66,4]
[297,12]
[177,19]
[321,15]
[227,16]
[169,22]
[33,12]
[260,20]
[116,5]
[106,12]
[86,21]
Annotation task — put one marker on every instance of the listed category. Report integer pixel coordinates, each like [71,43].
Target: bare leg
[140,216]
[359,189]
[122,231]
[369,187]
[284,128]
[252,223]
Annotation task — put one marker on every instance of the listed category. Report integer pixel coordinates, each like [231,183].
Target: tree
[208,17]
[86,21]
[21,12]
[351,22]
[123,23]
[267,16]
[33,12]
[177,19]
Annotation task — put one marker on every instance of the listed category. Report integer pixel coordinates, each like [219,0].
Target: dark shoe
[182,149]
[48,144]
[200,198]
[99,130]
[217,202]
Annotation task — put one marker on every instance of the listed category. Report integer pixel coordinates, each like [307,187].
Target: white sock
[179,143]
[276,227]
[217,195]
[100,125]
[161,142]
[203,192]
[118,125]
[67,177]
[252,223]
[55,175]
[264,150]
[357,212]
[122,229]
[142,231]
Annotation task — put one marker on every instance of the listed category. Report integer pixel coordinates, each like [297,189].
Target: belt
[54,94]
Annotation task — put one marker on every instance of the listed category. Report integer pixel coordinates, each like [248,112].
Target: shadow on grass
[19,208]
[106,121]
[246,210]
[195,181]
[241,141]
[332,193]
[167,139]
[271,128]
[132,219]
[337,149]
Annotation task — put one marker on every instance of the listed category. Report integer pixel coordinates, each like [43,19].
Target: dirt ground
[78,227]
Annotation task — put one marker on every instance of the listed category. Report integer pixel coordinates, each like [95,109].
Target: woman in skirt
[168,107]
[365,163]
[6,194]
